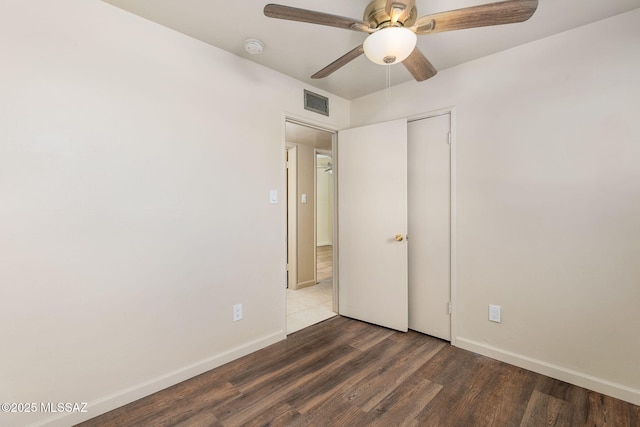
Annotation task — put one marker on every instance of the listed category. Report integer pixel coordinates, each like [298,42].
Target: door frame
[304,121]
[453,249]
[291,215]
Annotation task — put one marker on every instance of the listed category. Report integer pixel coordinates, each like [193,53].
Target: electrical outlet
[494,313]
[237,312]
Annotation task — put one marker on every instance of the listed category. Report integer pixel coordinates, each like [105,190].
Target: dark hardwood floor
[342,372]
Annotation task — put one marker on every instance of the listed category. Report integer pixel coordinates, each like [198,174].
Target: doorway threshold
[308,306]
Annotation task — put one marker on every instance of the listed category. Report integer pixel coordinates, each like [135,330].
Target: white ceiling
[299,134]
[300,49]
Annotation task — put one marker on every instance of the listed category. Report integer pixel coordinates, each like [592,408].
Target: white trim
[305,121]
[335,243]
[315,216]
[453,159]
[306,284]
[131,394]
[581,379]
[453,125]
[434,113]
[291,217]
[284,206]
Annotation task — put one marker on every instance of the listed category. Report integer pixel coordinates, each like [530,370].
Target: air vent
[316,103]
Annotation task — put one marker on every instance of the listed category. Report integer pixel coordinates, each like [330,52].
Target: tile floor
[308,306]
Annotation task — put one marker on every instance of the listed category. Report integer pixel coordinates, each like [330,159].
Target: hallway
[308,306]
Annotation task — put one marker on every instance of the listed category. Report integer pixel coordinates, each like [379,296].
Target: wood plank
[365,342]
[376,386]
[544,410]
[279,415]
[512,390]
[334,412]
[405,406]
[202,419]
[607,411]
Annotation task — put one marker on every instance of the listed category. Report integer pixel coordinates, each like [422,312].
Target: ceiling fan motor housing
[376,16]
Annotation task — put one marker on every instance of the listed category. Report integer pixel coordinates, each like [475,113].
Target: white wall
[548,200]
[324,210]
[135,169]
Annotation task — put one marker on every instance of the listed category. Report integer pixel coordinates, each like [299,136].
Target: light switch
[273,197]
[494,313]
[304,198]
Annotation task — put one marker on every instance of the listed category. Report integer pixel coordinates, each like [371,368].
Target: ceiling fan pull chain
[388,67]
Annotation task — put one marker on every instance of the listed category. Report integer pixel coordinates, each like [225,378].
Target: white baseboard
[305,284]
[123,397]
[324,243]
[619,391]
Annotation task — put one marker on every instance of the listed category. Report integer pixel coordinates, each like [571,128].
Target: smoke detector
[253,46]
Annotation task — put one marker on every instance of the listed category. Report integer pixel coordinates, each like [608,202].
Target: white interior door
[372,210]
[429,185]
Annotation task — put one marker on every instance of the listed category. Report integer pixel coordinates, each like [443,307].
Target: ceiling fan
[392,26]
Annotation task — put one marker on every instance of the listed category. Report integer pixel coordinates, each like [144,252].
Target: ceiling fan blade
[504,12]
[419,66]
[340,62]
[313,17]
[399,10]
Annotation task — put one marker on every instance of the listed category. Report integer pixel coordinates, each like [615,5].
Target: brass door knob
[399,238]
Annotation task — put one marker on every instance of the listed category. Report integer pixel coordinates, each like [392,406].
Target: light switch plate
[237,312]
[273,197]
[495,313]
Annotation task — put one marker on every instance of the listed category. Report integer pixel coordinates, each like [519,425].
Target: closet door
[372,224]
[429,184]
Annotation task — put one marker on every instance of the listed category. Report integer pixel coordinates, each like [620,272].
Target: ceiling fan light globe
[390,45]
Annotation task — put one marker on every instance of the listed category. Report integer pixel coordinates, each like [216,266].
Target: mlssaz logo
[63,407]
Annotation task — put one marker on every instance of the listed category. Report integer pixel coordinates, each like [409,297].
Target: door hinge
[287,267]
[449,138]
[287,164]
[450,308]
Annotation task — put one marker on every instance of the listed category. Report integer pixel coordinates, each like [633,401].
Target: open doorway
[324,217]
[310,190]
